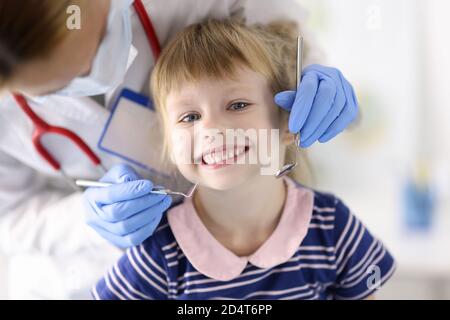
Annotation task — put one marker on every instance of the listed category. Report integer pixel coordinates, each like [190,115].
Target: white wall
[395,53]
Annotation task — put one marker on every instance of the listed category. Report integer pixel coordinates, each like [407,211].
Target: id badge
[134,133]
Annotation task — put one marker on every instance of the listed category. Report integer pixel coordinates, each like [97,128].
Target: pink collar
[212,259]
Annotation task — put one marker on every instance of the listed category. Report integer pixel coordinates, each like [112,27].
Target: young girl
[243,234]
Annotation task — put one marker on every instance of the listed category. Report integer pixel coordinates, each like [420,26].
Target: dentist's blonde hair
[215,49]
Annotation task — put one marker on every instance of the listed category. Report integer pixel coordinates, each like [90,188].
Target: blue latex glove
[323,106]
[126,213]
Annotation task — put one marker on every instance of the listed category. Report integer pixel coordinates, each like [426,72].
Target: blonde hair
[214,49]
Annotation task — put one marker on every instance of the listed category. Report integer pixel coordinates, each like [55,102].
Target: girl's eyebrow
[188,101]
[181,103]
[234,88]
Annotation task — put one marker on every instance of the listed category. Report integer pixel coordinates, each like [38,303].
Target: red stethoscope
[41,127]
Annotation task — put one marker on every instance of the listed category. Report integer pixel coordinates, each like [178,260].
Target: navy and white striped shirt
[319,250]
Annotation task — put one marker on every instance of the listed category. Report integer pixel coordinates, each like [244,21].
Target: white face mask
[112,59]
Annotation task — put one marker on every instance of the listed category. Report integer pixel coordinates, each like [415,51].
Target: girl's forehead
[243,81]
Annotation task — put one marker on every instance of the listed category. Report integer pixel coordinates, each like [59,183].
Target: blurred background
[393,167]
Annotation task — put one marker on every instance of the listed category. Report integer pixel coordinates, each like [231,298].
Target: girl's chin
[224,178]
[227,179]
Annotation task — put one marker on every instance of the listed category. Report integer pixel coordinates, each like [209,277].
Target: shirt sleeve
[140,274]
[363,264]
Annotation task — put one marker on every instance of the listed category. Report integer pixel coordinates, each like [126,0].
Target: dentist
[71,78]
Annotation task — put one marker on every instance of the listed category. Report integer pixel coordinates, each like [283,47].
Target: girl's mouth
[223,157]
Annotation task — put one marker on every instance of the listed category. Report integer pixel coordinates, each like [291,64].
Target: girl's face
[200,115]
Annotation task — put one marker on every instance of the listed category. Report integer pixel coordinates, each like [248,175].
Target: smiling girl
[243,234]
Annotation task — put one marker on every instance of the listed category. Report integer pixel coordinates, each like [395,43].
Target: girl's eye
[238,106]
[190,117]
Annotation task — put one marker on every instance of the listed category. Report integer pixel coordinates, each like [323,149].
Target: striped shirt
[319,250]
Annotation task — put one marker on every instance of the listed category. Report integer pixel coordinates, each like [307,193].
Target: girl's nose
[209,121]
[212,135]
[210,126]
[209,132]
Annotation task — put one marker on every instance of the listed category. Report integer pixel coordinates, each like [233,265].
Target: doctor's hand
[125,213]
[323,105]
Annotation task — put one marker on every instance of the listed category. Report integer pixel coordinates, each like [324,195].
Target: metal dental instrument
[289,166]
[92,183]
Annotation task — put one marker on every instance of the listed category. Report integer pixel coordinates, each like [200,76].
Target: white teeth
[208,159]
[217,157]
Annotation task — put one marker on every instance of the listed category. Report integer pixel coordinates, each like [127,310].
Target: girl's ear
[286,137]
